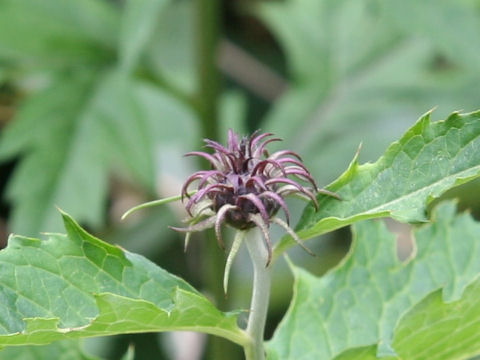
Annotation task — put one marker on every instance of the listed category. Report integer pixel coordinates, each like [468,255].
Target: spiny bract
[246,187]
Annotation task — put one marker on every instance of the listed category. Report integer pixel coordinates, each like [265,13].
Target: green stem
[260,296]
[207,30]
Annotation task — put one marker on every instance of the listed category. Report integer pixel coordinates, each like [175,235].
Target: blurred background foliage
[99,99]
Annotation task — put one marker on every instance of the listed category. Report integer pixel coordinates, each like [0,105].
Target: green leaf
[57,32]
[355,76]
[361,301]
[138,24]
[429,159]
[461,39]
[59,350]
[53,130]
[78,131]
[434,330]
[171,52]
[76,285]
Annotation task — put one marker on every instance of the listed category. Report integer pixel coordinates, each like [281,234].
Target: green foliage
[360,70]
[109,89]
[361,301]
[90,120]
[137,27]
[84,135]
[57,34]
[78,286]
[106,290]
[428,160]
[435,330]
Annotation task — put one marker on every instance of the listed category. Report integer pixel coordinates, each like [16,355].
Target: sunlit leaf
[79,286]
[429,159]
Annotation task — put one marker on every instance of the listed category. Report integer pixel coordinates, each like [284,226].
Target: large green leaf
[429,159]
[78,286]
[361,301]
[355,76]
[59,350]
[77,131]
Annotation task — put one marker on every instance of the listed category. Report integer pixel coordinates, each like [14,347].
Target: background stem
[208,77]
[207,31]
[260,295]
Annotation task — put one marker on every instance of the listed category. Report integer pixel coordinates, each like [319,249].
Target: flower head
[246,187]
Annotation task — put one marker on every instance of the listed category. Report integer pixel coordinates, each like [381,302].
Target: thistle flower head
[246,186]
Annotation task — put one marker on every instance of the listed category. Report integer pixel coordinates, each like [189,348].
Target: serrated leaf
[59,350]
[138,24]
[78,286]
[429,159]
[361,301]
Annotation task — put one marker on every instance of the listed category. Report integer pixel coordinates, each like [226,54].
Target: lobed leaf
[429,159]
[75,285]
[361,302]
[74,134]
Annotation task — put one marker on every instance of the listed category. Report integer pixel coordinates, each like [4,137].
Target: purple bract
[246,186]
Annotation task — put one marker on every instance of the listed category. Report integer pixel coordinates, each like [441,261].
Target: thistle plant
[245,188]
[351,312]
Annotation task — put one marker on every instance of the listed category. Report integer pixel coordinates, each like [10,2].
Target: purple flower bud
[245,187]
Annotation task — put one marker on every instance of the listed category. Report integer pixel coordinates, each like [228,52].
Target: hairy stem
[260,295]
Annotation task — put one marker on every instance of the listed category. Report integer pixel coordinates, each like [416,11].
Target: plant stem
[207,30]
[260,295]
[208,77]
